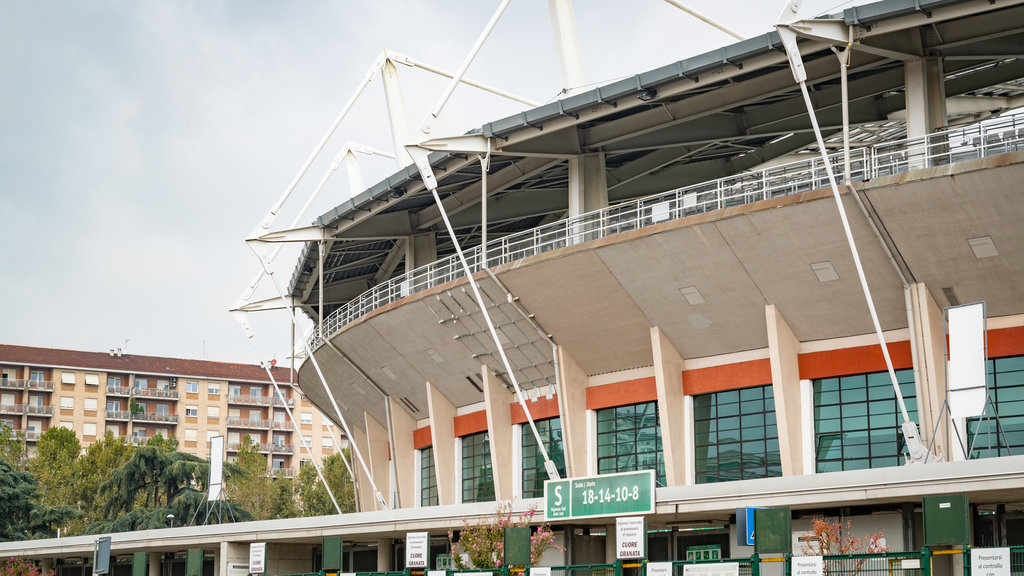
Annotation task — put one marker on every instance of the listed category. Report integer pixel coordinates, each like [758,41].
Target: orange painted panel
[622,393]
[1006,342]
[421,438]
[727,376]
[542,408]
[857,360]
[470,423]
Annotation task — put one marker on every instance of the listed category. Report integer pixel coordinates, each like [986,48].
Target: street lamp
[170,519]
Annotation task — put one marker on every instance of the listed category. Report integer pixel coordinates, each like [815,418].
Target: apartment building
[138,397]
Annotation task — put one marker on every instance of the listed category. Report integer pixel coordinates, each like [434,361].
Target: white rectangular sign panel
[417,549]
[630,538]
[238,569]
[717,569]
[659,569]
[540,571]
[216,467]
[966,360]
[990,562]
[257,555]
[807,566]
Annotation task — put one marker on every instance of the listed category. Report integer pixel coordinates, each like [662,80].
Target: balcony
[12,384]
[258,446]
[119,391]
[282,449]
[32,435]
[39,410]
[44,385]
[280,402]
[282,425]
[137,440]
[249,400]
[282,472]
[155,417]
[12,408]
[122,415]
[156,393]
[247,423]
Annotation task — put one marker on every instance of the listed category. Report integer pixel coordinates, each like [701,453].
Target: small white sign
[910,564]
[437,573]
[417,549]
[717,569]
[990,562]
[257,555]
[807,566]
[238,569]
[630,538]
[659,569]
[540,571]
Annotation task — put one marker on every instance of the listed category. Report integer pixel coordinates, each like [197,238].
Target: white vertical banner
[966,374]
[417,549]
[216,467]
[630,537]
[257,557]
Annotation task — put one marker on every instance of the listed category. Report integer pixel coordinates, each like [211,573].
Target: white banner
[216,467]
[417,549]
[966,360]
[630,538]
[257,556]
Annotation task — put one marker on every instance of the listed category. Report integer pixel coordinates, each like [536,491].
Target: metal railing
[155,417]
[248,423]
[33,435]
[12,384]
[119,391]
[249,400]
[1016,560]
[280,402]
[39,410]
[997,136]
[282,449]
[156,393]
[46,385]
[118,415]
[12,408]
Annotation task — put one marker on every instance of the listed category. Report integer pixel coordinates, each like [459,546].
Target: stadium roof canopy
[723,112]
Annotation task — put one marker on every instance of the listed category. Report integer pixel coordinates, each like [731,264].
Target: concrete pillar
[668,377]
[385,554]
[367,502]
[925,96]
[588,184]
[156,560]
[499,433]
[572,407]
[442,434]
[420,250]
[403,455]
[930,340]
[236,553]
[378,457]
[783,351]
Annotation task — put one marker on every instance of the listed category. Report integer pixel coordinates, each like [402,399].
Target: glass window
[191,387]
[735,436]
[163,409]
[857,420]
[1006,389]
[67,402]
[326,443]
[37,376]
[629,439]
[428,480]
[306,442]
[534,473]
[255,391]
[88,429]
[306,418]
[477,479]
[89,404]
[213,388]
[113,380]
[114,405]
[191,410]
[234,390]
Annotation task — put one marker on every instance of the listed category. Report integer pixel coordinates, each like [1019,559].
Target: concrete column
[668,377]
[442,434]
[572,407]
[403,455]
[420,250]
[930,340]
[499,433]
[588,184]
[385,554]
[925,96]
[236,553]
[367,502]
[378,456]
[783,350]
[156,560]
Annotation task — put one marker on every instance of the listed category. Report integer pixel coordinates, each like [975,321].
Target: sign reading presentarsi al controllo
[604,495]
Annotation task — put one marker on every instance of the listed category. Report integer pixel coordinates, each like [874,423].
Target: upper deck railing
[992,137]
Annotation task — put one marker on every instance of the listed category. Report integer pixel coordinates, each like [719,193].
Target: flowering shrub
[484,541]
[836,538]
[21,567]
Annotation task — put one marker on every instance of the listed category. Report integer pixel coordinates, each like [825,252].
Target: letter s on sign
[558,495]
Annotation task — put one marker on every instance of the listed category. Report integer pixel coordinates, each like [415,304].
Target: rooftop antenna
[789,25]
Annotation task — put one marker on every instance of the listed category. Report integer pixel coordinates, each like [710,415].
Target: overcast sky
[140,142]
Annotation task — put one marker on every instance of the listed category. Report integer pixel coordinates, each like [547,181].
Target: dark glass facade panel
[629,439]
[735,435]
[428,480]
[477,477]
[857,420]
[1006,390]
[534,474]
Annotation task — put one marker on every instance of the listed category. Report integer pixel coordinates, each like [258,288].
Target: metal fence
[992,137]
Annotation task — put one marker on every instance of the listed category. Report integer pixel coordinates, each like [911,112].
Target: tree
[483,541]
[253,488]
[12,446]
[22,567]
[54,466]
[313,496]
[91,470]
[836,538]
[21,516]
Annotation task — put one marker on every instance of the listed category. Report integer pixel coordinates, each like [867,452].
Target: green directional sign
[605,495]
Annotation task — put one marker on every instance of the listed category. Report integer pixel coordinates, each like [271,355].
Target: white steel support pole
[706,19]
[567,45]
[355,174]
[485,165]
[396,113]
[844,65]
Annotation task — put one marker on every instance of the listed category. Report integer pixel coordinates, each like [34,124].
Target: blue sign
[745,526]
